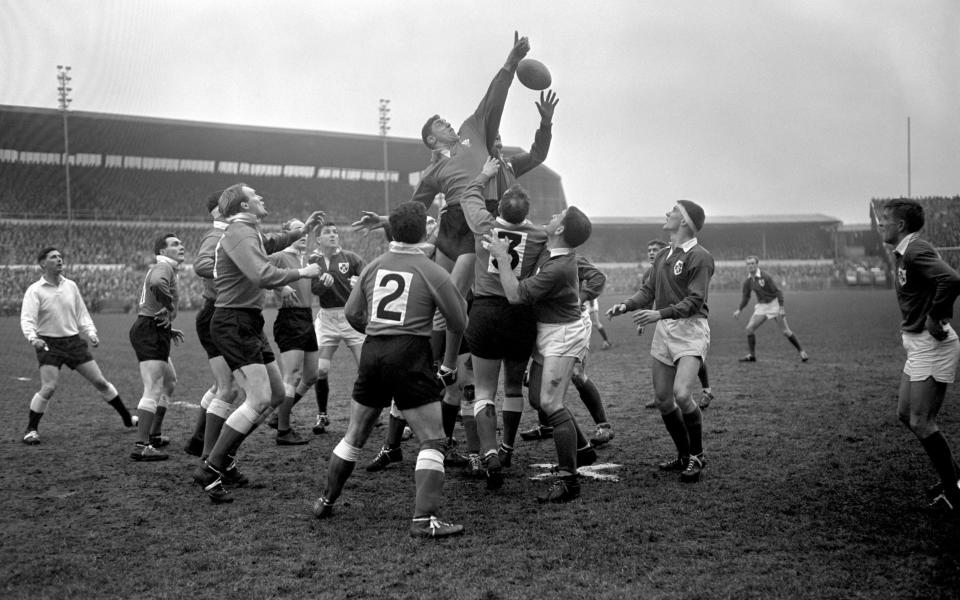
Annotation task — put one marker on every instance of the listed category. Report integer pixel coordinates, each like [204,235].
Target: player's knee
[480,405]
[219,408]
[147,405]
[347,451]
[102,385]
[323,368]
[787,333]
[922,426]
[579,378]
[47,390]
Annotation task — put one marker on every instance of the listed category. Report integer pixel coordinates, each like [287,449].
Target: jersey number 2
[390,295]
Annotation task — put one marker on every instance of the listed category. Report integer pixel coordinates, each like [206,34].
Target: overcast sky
[747,107]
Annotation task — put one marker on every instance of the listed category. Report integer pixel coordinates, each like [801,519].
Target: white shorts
[332,328]
[770,310]
[927,357]
[675,338]
[563,339]
[590,306]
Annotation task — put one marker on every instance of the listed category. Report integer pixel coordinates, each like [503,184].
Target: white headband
[686,217]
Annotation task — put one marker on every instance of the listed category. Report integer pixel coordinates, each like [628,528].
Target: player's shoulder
[918,246]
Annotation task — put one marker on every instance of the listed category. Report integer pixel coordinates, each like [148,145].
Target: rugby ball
[533,74]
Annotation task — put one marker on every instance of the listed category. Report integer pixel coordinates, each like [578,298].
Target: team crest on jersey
[678,268]
[760,282]
[344,267]
[901,276]
[466,142]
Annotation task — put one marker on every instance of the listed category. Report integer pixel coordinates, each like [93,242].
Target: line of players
[526,286]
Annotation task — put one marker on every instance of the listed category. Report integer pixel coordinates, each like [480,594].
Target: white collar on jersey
[403,248]
[168,260]
[902,246]
[220,224]
[686,246]
[560,251]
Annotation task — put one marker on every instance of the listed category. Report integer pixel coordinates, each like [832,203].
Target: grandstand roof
[738,220]
[41,130]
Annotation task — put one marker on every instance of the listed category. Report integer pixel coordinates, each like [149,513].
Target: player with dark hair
[769,306]
[393,303]
[678,293]
[500,333]
[516,165]
[294,336]
[52,317]
[561,333]
[339,270]
[457,157]
[926,290]
[241,272]
[151,335]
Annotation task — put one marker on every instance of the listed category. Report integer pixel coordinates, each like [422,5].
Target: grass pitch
[813,489]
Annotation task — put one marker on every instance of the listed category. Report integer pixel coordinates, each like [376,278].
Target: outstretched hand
[491,167]
[368,221]
[521,45]
[546,106]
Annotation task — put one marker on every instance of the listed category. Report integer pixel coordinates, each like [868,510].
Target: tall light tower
[63,78]
[384,128]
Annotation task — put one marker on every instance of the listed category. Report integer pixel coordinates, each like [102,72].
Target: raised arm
[527,161]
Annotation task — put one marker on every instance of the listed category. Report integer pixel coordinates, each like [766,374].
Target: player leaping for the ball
[457,158]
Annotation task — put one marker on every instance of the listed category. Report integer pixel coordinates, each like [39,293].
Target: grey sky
[748,107]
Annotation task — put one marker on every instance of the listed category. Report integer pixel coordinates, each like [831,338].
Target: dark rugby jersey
[761,283]
[925,285]
[203,263]
[291,258]
[241,268]
[398,293]
[159,290]
[342,265]
[592,280]
[679,284]
[451,174]
[554,290]
[528,242]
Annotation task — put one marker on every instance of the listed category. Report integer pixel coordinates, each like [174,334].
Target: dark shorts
[238,333]
[71,351]
[454,236]
[293,330]
[499,330]
[203,329]
[149,341]
[398,368]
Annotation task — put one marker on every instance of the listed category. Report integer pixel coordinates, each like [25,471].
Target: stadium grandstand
[133,178]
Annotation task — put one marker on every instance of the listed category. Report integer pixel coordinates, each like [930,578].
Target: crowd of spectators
[98,193]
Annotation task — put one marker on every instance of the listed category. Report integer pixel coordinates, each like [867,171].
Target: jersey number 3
[518,243]
[390,295]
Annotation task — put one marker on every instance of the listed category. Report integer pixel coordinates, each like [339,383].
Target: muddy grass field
[812,488]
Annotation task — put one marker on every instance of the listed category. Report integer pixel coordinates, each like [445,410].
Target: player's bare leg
[674,387]
[344,457]
[461,272]
[918,405]
[513,404]
[554,380]
[49,377]
[426,422]
[151,374]
[487,378]
[90,371]
[752,325]
[787,333]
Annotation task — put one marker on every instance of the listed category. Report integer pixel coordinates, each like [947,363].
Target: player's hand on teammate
[616,309]
[311,271]
[288,296]
[162,318]
[176,336]
[326,279]
[935,327]
[316,219]
[646,317]
[368,221]
[491,167]
[498,247]
[521,45]
[546,106]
